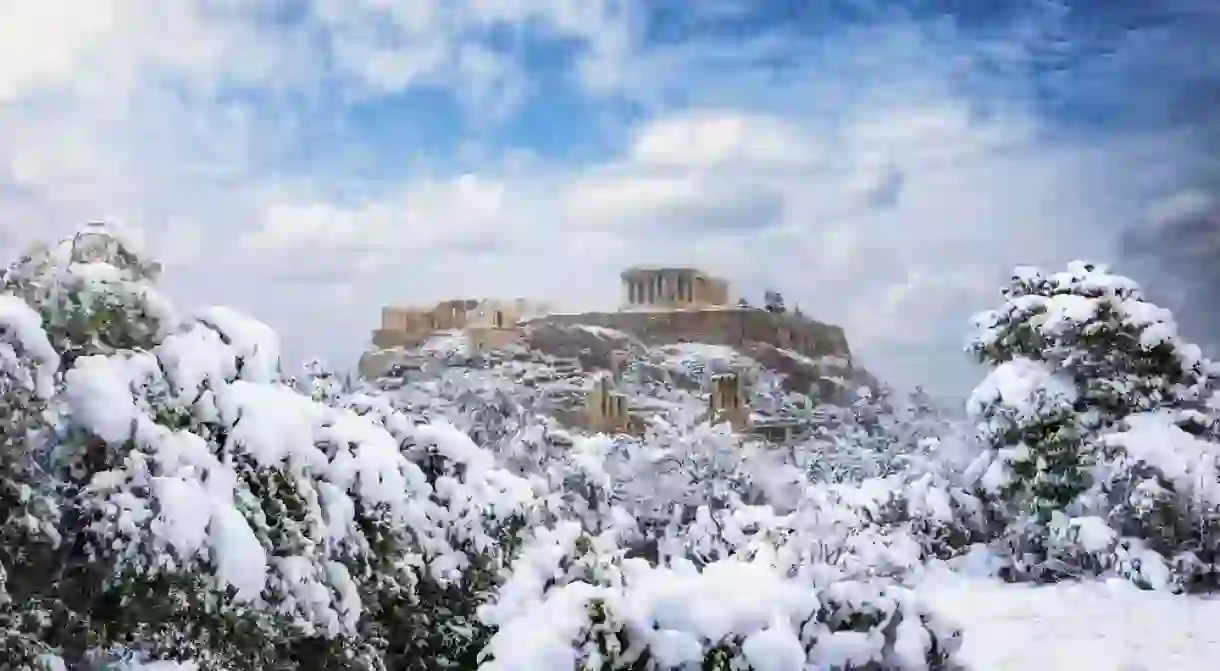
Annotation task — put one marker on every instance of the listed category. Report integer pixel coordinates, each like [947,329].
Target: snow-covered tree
[773,301]
[206,509]
[1083,369]
[95,293]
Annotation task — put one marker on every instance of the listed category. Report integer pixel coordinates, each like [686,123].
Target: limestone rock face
[834,378]
[734,326]
[596,348]
[377,362]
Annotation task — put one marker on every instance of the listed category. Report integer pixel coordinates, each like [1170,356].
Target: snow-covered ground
[1094,626]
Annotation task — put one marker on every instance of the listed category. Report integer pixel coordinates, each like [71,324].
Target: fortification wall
[736,327]
[388,338]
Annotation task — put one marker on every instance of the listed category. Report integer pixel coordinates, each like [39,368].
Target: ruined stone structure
[664,305]
[492,338]
[606,409]
[603,410]
[727,402]
[491,324]
[673,288]
[779,429]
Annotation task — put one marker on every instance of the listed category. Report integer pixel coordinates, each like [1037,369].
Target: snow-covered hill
[558,363]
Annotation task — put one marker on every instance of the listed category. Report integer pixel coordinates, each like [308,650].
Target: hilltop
[556,369]
[669,314]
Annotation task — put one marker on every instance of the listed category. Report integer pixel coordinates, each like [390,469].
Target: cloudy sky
[883,164]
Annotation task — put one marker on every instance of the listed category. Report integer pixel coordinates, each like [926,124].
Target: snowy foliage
[28,507]
[1101,447]
[773,301]
[574,601]
[640,535]
[203,507]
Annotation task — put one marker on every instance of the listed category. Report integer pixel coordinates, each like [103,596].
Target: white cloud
[660,204]
[427,216]
[108,48]
[394,46]
[45,41]
[725,138]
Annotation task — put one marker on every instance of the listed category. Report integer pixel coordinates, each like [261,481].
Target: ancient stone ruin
[603,410]
[662,305]
[673,288]
[488,325]
[727,402]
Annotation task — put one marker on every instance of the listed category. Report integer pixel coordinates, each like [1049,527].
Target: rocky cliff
[735,327]
[806,354]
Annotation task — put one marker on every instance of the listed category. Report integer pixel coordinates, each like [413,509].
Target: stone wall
[484,338]
[411,327]
[392,338]
[736,327]
[727,402]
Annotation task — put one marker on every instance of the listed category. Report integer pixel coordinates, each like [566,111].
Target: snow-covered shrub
[201,479]
[574,601]
[481,509]
[321,384]
[95,293]
[1085,414]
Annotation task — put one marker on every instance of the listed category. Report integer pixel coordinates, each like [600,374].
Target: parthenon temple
[673,287]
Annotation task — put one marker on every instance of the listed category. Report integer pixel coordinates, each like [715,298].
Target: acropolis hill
[662,305]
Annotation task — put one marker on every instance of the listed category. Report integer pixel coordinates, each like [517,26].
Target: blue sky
[884,164]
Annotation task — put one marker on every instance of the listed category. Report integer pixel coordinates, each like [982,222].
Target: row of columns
[661,288]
